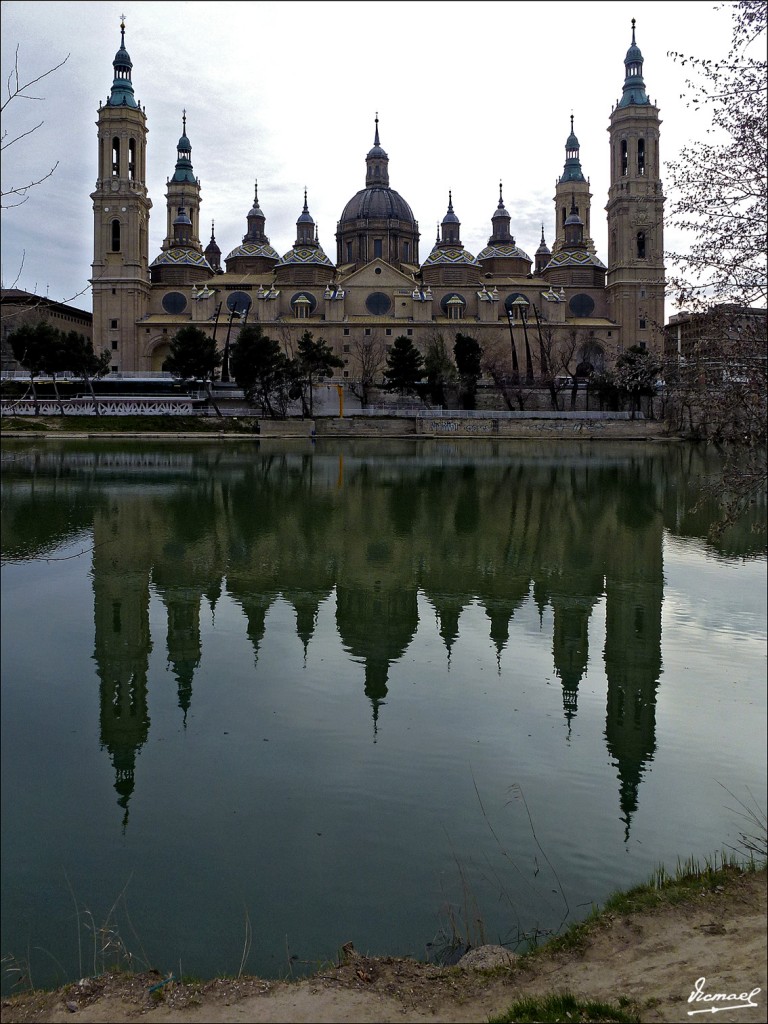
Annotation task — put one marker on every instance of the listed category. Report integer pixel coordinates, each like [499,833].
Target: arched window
[641,245]
[303,305]
[115,236]
[624,157]
[115,157]
[641,156]
[132,160]
[350,256]
[407,252]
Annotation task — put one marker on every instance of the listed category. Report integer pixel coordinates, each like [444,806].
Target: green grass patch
[664,889]
[565,1007]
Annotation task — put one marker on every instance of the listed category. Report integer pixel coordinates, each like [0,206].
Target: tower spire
[377,161]
[121,94]
[634,86]
[572,170]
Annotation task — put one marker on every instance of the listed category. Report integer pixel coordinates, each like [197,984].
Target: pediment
[377,275]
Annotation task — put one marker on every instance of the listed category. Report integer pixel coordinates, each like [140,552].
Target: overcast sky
[286,93]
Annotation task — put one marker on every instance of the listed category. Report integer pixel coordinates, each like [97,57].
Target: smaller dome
[569,258]
[179,257]
[251,249]
[184,144]
[302,254]
[503,251]
[182,218]
[451,256]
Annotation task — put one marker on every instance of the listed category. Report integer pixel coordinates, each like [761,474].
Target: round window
[238,302]
[378,304]
[174,302]
[582,305]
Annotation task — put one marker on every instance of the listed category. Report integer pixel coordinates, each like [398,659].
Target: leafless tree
[18,89]
[370,359]
[721,388]
[497,365]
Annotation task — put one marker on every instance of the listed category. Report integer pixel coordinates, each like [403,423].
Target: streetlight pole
[225,361]
[528,359]
[515,366]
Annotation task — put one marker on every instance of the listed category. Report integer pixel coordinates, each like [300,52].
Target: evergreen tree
[39,349]
[468,355]
[438,367]
[405,367]
[193,355]
[266,375]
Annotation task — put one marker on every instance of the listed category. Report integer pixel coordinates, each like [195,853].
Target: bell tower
[120,270]
[572,188]
[635,282]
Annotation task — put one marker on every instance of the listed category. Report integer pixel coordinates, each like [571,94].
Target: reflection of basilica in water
[374,534]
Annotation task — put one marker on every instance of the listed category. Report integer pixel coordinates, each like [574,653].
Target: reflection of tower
[255,607]
[122,639]
[570,645]
[573,594]
[448,609]
[376,625]
[634,594]
[184,646]
[306,604]
[500,612]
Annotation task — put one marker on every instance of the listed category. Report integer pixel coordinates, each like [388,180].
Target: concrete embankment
[530,425]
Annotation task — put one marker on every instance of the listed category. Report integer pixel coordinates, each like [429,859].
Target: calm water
[376,692]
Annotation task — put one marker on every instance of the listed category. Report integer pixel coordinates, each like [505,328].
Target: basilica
[377,285]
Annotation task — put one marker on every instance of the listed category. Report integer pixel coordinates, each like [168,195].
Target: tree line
[43,349]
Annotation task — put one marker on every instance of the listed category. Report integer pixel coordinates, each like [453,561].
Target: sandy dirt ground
[654,958]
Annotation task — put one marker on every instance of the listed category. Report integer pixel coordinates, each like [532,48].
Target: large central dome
[377,202]
[377,223]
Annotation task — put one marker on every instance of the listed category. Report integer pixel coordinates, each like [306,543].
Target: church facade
[377,286]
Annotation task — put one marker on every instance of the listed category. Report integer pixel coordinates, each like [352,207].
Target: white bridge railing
[112,405]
